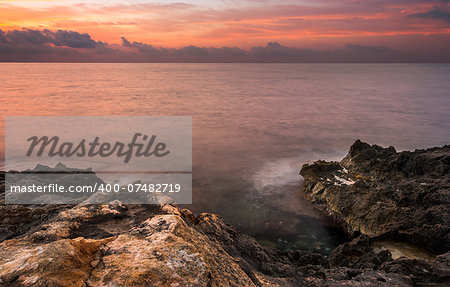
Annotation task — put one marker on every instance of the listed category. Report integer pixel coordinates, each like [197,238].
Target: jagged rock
[59,263]
[378,192]
[358,254]
[164,251]
[118,245]
[135,246]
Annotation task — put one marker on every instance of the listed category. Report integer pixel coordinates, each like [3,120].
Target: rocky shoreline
[386,201]
[391,203]
[381,193]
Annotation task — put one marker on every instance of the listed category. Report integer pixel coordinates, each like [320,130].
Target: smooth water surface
[254,125]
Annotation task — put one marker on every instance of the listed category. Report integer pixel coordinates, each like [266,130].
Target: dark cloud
[73,39]
[125,42]
[189,53]
[27,37]
[221,54]
[2,37]
[274,49]
[60,38]
[141,47]
[435,13]
[70,46]
[54,46]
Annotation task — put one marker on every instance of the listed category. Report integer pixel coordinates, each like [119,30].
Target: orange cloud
[181,24]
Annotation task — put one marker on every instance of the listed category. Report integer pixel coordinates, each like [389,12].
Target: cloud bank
[436,13]
[31,45]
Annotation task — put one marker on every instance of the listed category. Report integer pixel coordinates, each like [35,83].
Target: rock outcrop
[163,245]
[381,193]
[116,245]
[396,206]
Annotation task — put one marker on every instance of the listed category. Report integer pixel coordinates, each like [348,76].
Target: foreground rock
[162,245]
[116,245]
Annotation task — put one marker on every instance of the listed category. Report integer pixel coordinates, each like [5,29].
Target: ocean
[254,125]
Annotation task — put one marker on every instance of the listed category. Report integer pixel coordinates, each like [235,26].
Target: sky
[226,30]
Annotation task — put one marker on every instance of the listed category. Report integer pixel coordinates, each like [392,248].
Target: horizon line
[220,62]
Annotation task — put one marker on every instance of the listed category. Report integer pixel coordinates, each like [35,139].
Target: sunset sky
[417,28]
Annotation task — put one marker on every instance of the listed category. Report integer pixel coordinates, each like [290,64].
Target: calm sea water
[254,125]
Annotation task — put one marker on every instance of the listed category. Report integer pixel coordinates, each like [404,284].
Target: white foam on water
[277,174]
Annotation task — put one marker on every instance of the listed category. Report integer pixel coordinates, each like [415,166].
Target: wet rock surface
[394,205]
[162,245]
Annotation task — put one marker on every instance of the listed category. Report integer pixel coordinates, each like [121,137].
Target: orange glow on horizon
[181,24]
